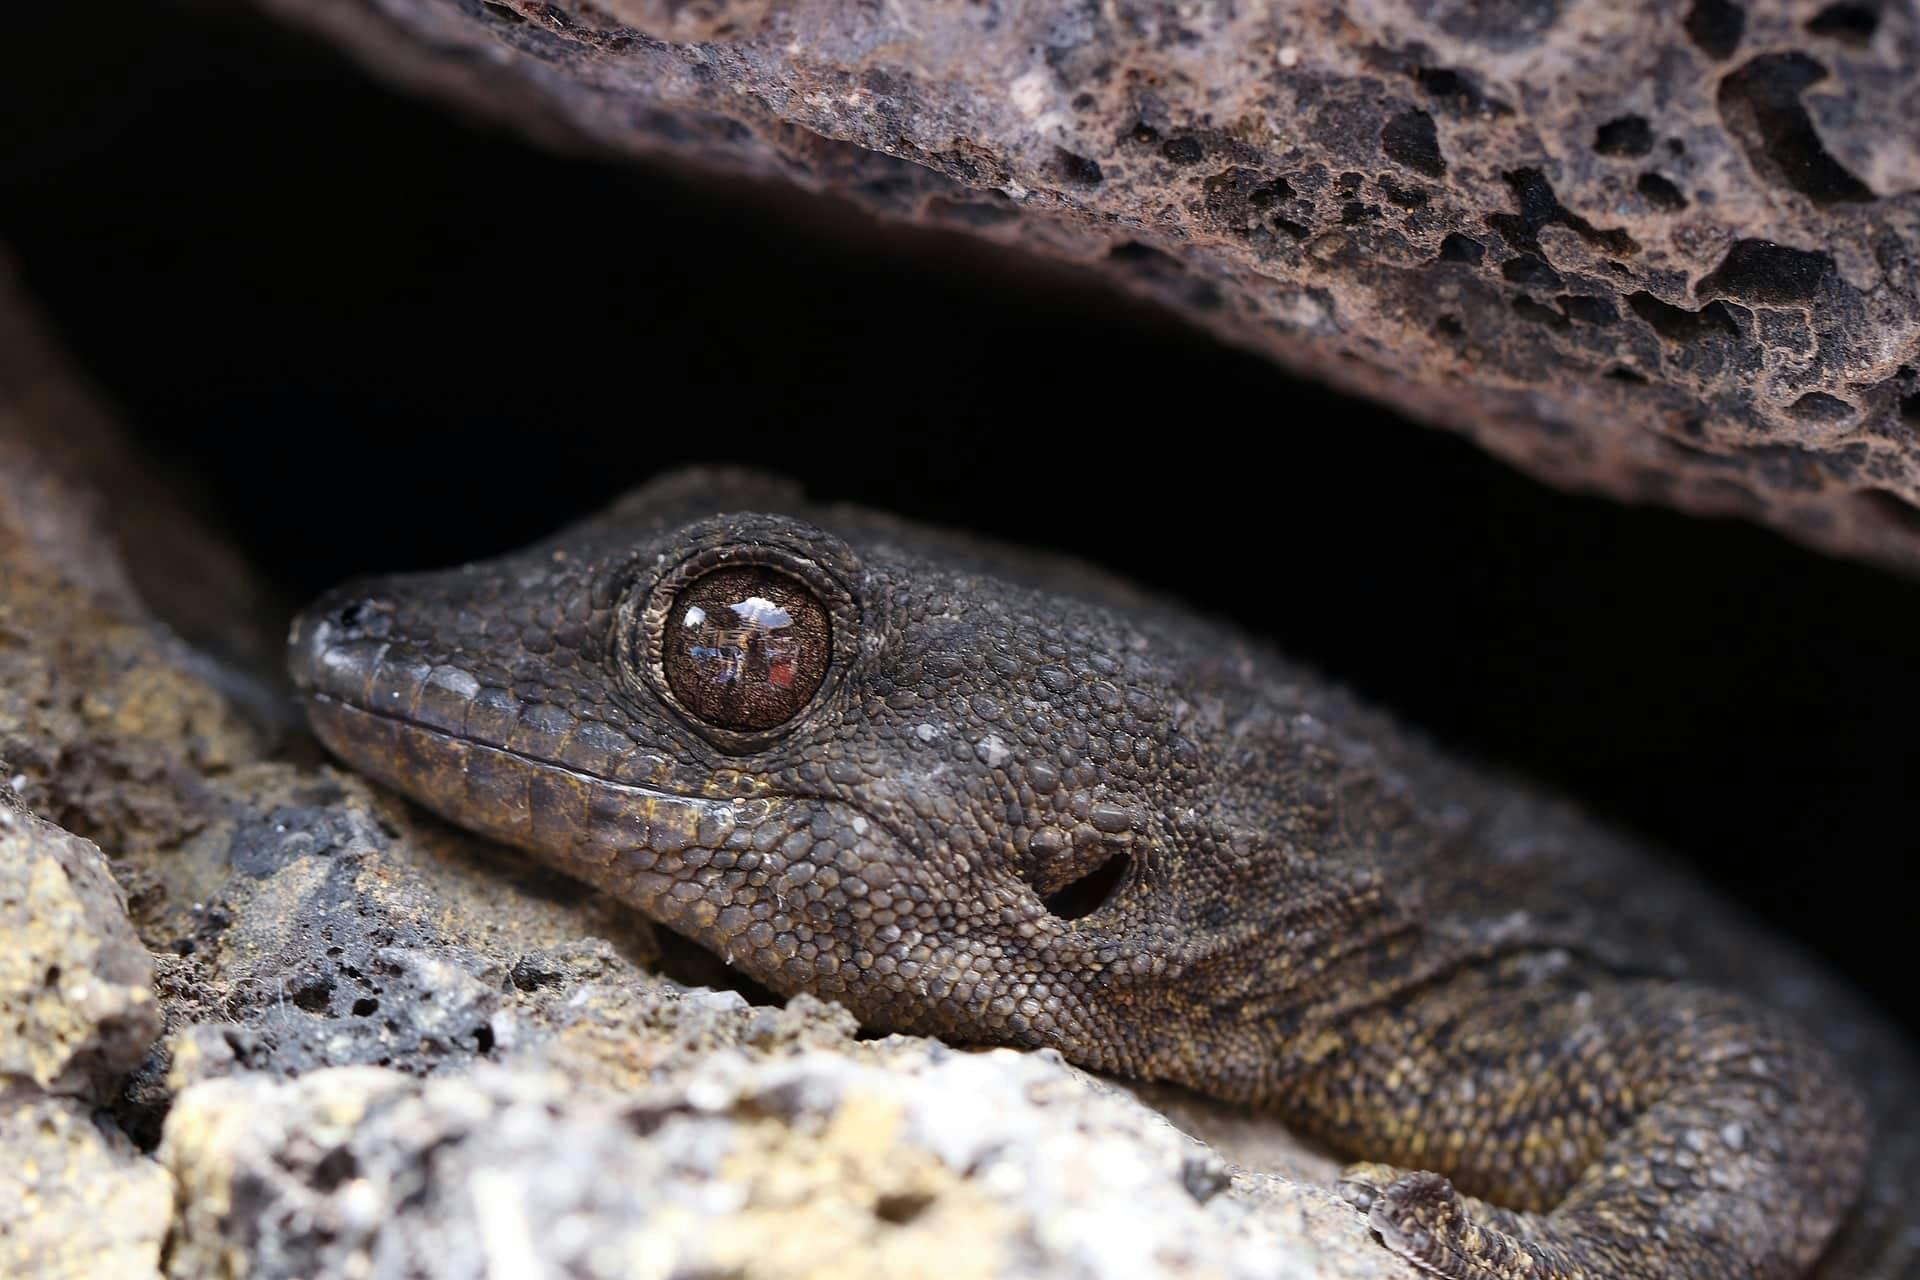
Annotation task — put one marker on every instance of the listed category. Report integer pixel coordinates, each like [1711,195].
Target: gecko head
[962,790]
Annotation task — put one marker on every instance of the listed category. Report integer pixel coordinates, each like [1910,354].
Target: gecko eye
[748,635]
[745,648]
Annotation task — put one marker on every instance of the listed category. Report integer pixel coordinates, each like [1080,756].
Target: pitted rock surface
[76,1198]
[1663,252]
[77,1008]
[829,1163]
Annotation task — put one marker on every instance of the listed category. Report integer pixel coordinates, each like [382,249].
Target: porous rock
[109,723]
[901,1160]
[76,987]
[1666,252]
[77,1201]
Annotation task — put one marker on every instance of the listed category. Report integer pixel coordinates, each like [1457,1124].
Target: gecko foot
[1423,1219]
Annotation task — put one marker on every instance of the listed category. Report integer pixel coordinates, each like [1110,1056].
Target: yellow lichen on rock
[854,1200]
[76,986]
[77,1202]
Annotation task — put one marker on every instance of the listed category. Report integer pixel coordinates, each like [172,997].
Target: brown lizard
[999,797]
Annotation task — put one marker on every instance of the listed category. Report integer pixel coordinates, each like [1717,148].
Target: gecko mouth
[459,739]
[497,795]
[579,820]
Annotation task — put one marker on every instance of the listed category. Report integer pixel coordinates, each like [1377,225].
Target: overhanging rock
[1666,253]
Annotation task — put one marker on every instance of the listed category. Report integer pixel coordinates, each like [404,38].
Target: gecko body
[1002,798]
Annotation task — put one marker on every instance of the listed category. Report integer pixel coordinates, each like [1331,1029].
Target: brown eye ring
[743,640]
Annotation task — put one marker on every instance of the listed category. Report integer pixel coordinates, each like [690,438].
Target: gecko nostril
[364,616]
[327,649]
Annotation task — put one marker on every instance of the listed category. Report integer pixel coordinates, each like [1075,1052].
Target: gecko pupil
[745,649]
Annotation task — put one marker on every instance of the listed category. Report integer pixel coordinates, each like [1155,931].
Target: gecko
[1001,797]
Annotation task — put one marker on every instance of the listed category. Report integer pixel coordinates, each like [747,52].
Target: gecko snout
[344,619]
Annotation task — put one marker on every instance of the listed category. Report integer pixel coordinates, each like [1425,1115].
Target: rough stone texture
[390,1047]
[899,1159]
[1668,252]
[109,724]
[109,521]
[77,1007]
[76,1199]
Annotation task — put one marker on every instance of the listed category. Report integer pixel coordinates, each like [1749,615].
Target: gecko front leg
[1573,1127]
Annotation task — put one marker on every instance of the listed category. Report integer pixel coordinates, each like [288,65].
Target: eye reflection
[746,648]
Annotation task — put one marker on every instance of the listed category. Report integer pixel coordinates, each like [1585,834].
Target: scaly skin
[1029,805]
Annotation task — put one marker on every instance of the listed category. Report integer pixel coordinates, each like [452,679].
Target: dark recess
[1458,92]
[1818,406]
[1079,170]
[1411,139]
[1459,248]
[1627,136]
[1540,313]
[1540,207]
[1183,150]
[1588,310]
[1530,270]
[1761,106]
[1715,27]
[1660,192]
[900,1208]
[1852,23]
[1765,272]
[1677,324]
[378,339]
